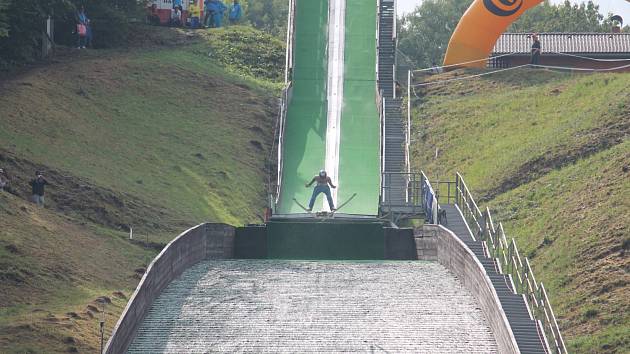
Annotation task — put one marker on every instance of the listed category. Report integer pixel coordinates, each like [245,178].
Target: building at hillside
[564,49]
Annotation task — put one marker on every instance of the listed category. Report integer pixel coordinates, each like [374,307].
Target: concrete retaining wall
[426,242]
[459,259]
[204,241]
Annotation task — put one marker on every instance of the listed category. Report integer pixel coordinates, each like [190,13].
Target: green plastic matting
[359,161]
[304,146]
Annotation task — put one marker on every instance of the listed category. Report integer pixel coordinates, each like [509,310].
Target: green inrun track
[304,145]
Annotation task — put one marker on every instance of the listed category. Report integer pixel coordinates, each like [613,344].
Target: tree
[425,32]
[565,17]
[4,22]
[267,15]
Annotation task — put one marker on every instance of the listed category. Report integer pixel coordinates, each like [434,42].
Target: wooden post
[47,37]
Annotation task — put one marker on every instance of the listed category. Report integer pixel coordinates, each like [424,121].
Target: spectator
[195,14]
[208,13]
[4,180]
[235,13]
[435,69]
[535,49]
[37,187]
[152,17]
[82,27]
[176,17]
[219,11]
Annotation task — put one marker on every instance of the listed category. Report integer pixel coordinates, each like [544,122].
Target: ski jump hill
[352,281]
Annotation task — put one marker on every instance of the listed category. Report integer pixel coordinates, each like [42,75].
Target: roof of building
[583,43]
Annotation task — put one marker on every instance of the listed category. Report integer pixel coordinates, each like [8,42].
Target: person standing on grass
[235,12]
[37,187]
[219,11]
[82,27]
[324,183]
[4,180]
[208,13]
[176,17]
[535,49]
[152,16]
[195,13]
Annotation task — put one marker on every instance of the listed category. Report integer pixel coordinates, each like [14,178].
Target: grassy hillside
[159,136]
[550,154]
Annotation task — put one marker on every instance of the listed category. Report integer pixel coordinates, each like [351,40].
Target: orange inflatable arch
[480,27]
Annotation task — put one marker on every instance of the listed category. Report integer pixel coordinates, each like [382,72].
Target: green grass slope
[160,136]
[550,154]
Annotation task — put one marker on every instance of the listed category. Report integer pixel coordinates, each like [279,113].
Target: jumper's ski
[344,203]
[301,206]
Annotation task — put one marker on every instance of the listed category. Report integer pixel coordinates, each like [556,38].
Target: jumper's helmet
[322,173]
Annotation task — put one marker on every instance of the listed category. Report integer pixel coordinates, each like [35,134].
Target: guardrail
[289,59]
[282,116]
[509,260]
[419,195]
[284,104]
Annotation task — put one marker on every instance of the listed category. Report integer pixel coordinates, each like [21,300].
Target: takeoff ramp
[301,307]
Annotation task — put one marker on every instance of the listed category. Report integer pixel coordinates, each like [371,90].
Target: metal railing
[417,194]
[380,105]
[289,58]
[274,191]
[509,260]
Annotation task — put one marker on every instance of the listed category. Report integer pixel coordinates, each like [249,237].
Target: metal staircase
[394,188]
[518,314]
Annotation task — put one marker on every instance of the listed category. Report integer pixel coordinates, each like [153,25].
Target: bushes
[253,52]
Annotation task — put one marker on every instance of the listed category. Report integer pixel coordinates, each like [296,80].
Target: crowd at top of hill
[211,15]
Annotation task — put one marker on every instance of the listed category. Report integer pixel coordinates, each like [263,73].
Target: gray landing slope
[299,306]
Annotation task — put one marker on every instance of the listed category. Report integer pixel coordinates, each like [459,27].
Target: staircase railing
[508,259]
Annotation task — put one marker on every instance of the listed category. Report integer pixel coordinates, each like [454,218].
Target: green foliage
[425,32]
[254,53]
[565,17]
[267,15]
[4,24]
